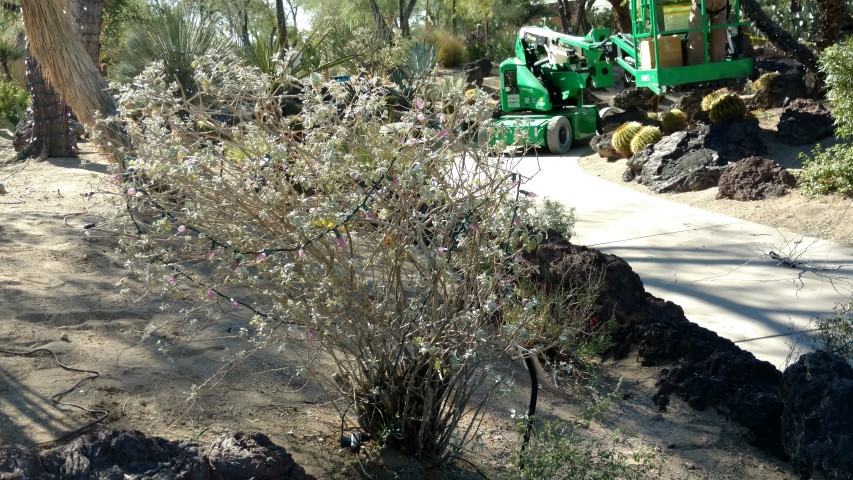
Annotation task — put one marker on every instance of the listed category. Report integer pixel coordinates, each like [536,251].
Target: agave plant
[177,37]
[420,65]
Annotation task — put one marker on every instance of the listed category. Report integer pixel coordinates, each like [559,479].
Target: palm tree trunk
[89,15]
[50,136]
[68,68]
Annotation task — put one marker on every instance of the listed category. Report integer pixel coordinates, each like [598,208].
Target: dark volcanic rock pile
[130,454]
[755,178]
[703,368]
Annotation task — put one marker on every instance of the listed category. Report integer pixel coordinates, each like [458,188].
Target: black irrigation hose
[534,393]
[57,398]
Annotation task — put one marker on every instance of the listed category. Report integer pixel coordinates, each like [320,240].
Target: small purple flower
[516,220]
[211,294]
[419,103]
[440,250]
[131,191]
[301,253]
[235,303]
[171,279]
[312,335]
[210,254]
[342,243]
[444,132]
[473,226]
[395,181]
[441,118]
[370,215]
[421,117]
[182,229]
[261,257]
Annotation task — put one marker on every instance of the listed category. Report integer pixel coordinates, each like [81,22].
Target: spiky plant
[623,135]
[645,137]
[707,100]
[176,37]
[673,120]
[764,81]
[728,108]
[11,49]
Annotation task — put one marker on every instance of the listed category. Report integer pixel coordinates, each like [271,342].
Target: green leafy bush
[828,170]
[14,100]
[835,333]
[836,62]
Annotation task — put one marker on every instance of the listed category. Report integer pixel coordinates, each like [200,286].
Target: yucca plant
[11,48]
[177,36]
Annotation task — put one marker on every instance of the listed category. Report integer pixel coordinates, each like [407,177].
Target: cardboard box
[670,52]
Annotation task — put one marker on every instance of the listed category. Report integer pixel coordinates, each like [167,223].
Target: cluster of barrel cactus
[631,137]
[727,108]
[673,120]
[623,135]
[645,137]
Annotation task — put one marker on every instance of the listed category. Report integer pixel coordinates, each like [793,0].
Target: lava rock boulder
[817,420]
[754,178]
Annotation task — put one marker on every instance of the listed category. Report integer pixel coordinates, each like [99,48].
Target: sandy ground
[826,217]
[60,282]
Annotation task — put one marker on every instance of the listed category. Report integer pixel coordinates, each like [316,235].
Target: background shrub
[451,49]
[835,333]
[14,101]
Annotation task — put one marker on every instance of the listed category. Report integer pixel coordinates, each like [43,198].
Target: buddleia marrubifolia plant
[390,251]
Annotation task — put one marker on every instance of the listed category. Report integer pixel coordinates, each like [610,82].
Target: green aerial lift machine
[542,87]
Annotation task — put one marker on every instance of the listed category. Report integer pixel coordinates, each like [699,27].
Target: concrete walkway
[718,268]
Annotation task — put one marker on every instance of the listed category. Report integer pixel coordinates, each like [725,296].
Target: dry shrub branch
[394,252]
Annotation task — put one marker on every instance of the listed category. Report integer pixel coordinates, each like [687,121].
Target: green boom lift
[542,87]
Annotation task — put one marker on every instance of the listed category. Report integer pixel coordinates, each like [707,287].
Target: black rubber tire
[559,135]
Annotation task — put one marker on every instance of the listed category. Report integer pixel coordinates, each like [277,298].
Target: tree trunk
[281,20]
[623,15]
[405,14]
[830,17]
[381,27]
[67,67]
[89,15]
[565,16]
[776,34]
[581,22]
[50,137]
[453,17]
